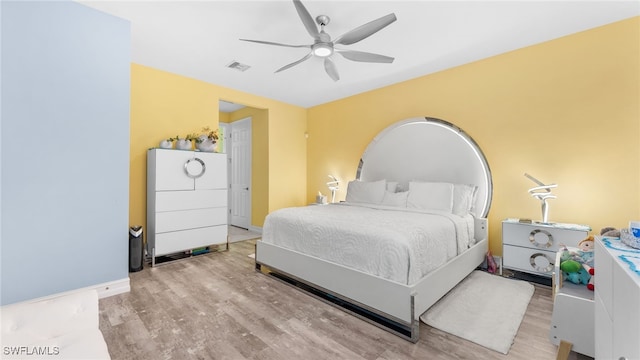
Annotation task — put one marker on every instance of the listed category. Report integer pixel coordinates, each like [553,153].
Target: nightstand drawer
[535,261]
[542,237]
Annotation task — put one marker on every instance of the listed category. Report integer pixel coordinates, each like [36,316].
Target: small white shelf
[572,320]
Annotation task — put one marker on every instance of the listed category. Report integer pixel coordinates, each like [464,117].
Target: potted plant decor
[183,144]
[207,141]
[166,143]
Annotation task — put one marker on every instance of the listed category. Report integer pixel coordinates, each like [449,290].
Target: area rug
[483,308]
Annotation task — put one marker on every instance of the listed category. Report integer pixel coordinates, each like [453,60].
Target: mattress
[397,244]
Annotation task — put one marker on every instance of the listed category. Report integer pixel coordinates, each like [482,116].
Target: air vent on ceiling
[238,66]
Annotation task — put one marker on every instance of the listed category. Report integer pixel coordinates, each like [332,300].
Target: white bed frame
[446,153]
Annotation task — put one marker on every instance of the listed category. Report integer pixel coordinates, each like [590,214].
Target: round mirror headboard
[428,149]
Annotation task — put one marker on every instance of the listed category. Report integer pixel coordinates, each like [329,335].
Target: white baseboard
[255,229]
[113,288]
[104,290]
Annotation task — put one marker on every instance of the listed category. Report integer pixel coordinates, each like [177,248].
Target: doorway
[238,146]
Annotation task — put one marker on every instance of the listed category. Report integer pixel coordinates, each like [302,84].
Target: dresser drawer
[540,237]
[535,261]
[171,242]
[190,219]
[194,199]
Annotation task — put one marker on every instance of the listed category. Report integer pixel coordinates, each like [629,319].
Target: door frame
[230,162]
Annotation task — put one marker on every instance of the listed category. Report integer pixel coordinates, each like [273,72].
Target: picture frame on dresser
[529,248]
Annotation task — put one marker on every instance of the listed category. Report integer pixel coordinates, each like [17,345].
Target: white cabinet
[572,320]
[186,201]
[532,247]
[617,300]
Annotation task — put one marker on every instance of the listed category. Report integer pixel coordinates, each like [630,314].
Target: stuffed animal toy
[586,255]
[572,269]
[610,232]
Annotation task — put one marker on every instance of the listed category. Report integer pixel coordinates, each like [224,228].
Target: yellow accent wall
[566,111]
[165,105]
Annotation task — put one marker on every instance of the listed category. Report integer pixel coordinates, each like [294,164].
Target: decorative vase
[183,144]
[206,146]
[166,144]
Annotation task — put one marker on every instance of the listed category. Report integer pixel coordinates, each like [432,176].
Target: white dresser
[186,201]
[532,247]
[617,300]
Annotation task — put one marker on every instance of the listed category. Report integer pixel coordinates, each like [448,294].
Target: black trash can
[136,250]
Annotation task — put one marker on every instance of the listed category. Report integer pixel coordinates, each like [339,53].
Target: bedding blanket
[400,245]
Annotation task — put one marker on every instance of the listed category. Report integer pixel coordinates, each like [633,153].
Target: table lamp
[542,193]
[333,185]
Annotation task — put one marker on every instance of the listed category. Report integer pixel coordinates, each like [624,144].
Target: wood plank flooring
[216,306]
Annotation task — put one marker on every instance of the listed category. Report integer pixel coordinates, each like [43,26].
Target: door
[240,144]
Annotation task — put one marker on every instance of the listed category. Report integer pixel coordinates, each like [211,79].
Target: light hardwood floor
[216,306]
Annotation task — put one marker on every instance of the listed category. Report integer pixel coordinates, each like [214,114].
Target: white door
[240,144]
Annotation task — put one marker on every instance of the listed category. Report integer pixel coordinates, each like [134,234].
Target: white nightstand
[532,247]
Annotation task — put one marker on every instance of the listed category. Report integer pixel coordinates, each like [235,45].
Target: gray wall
[65,148]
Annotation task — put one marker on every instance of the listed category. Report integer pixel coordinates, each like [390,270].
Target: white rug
[484,308]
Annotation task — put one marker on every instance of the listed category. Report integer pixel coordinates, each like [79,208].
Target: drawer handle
[539,268]
[532,238]
[194,171]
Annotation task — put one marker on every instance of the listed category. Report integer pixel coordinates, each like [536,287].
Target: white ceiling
[199,38]
[227,107]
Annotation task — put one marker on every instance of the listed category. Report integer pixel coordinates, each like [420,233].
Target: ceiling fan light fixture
[323,46]
[322,49]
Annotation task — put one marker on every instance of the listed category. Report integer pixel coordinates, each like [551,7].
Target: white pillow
[397,199]
[463,198]
[370,192]
[392,186]
[430,196]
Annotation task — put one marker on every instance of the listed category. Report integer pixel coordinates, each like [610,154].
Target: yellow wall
[165,105]
[565,111]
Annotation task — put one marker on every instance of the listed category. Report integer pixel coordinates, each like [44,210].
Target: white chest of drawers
[532,247]
[186,201]
[617,300]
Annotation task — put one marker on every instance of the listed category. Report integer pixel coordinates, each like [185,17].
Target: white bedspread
[401,245]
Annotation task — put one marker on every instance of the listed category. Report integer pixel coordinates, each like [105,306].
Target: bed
[413,226]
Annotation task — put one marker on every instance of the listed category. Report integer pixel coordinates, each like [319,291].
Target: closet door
[171,172]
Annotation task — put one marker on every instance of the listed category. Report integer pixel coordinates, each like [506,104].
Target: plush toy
[572,269]
[586,256]
[610,232]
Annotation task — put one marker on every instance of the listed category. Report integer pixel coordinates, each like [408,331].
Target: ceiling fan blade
[294,63]
[275,43]
[307,20]
[364,56]
[330,67]
[366,30]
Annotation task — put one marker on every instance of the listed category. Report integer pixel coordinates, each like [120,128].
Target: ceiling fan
[324,47]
